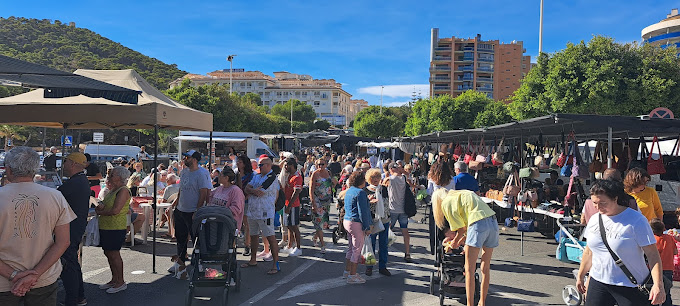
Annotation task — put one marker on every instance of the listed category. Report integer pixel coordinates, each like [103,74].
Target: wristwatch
[14,274]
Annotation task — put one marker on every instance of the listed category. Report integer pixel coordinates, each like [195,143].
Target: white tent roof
[153,108]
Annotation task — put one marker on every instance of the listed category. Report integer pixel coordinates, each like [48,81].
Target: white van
[111,152]
[225,143]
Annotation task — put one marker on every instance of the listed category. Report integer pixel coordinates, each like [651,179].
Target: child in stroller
[214,256]
[339,231]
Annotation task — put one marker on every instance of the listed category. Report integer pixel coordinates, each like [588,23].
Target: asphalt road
[536,278]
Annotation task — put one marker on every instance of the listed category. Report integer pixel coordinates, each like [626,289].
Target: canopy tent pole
[609,147]
[521,182]
[63,151]
[44,133]
[155,193]
[210,152]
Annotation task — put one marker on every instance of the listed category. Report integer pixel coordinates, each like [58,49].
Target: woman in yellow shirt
[112,225]
[647,199]
[466,214]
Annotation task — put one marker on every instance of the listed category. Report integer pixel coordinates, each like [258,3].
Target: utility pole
[230,58]
[540,31]
[291,115]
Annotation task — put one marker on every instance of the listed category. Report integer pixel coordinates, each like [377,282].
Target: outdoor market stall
[535,144]
[152,110]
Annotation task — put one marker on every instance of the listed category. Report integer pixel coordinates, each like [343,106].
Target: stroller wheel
[189,298]
[335,236]
[571,296]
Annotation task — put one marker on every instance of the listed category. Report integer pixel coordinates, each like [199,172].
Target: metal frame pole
[540,31]
[155,194]
[609,147]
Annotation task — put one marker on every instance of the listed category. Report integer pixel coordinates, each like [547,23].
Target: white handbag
[92,232]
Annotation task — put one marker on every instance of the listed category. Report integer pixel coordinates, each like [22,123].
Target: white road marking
[93,273]
[278,284]
[337,282]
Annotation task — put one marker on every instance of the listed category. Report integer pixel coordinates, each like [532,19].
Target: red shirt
[665,245]
[294,183]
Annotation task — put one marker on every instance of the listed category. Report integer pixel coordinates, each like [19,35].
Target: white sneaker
[285,250]
[268,257]
[345,274]
[116,290]
[296,252]
[283,243]
[172,269]
[355,279]
[105,286]
[263,254]
[323,250]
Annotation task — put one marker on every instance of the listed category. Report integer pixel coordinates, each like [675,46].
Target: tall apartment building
[491,67]
[665,32]
[326,96]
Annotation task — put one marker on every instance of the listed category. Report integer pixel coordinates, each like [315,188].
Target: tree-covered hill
[66,47]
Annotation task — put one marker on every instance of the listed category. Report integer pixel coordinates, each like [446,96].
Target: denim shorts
[483,233]
[402,218]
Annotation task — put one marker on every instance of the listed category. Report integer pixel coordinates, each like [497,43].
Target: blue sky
[362,44]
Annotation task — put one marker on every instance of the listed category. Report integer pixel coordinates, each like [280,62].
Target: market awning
[590,127]
[60,84]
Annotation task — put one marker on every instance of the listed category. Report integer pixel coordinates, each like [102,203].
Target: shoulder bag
[655,166]
[579,169]
[647,284]
[672,164]
[409,201]
[527,225]
[511,187]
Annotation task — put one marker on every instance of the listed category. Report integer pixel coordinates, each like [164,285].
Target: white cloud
[396,91]
[394,104]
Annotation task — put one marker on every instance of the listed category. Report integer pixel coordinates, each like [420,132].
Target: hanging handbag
[570,198]
[655,166]
[596,165]
[480,152]
[509,166]
[562,159]
[511,187]
[566,167]
[646,286]
[497,157]
[580,170]
[643,152]
[672,163]
[529,172]
[555,159]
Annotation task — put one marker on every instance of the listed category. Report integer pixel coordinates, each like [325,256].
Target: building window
[324,96]
[317,103]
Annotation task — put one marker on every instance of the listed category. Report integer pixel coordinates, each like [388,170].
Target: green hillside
[64,47]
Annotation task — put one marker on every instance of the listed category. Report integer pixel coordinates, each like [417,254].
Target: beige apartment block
[326,96]
[461,64]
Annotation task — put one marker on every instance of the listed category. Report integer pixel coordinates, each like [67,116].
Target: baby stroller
[305,205]
[214,256]
[570,250]
[449,279]
[339,231]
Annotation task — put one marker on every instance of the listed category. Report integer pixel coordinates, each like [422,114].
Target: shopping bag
[510,222]
[367,254]
[391,237]
[655,166]
[92,232]
[378,226]
[526,225]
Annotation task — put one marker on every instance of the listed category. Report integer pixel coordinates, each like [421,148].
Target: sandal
[248,265]
[274,270]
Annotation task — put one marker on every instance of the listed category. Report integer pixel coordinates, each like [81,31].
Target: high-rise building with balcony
[491,67]
[326,96]
[665,32]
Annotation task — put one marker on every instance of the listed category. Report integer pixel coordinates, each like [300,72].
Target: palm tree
[11,132]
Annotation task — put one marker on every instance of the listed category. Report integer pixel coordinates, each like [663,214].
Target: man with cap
[194,186]
[76,190]
[50,161]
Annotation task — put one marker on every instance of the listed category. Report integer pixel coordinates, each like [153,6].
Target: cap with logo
[194,154]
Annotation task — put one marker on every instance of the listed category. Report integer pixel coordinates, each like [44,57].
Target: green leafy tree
[12,132]
[68,48]
[370,122]
[301,111]
[321,125]
[495,113]
[600,77]
[444,112]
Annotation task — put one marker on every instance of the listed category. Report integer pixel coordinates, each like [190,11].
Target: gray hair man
[396,191]
[463,180]
[34,233]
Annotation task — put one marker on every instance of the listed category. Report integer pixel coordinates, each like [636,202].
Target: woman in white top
[630,237]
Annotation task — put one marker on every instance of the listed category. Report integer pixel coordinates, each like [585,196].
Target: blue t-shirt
[190,185]
[465,181]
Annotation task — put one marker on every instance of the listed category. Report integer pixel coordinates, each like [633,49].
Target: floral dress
[323,195]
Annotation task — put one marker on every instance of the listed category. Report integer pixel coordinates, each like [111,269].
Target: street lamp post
[291,115]
[230,58]
[381,97]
